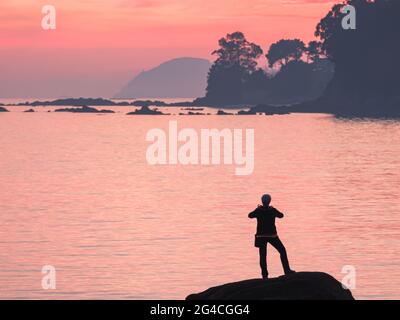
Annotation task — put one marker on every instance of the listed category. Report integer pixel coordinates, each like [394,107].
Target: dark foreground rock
[3,109]
[297,286]
[29,110]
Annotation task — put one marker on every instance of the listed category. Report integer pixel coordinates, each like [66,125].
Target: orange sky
[100,44]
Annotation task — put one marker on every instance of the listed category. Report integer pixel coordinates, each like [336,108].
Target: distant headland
[180,77]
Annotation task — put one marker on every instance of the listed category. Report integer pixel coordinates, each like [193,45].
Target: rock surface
[297,286]
[3,109]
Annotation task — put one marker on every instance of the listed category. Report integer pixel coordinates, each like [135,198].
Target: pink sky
[100,44]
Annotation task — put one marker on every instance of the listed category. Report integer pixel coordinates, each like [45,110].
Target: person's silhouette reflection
[266,233]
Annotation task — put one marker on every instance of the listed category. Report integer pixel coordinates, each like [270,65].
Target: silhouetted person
[266,233]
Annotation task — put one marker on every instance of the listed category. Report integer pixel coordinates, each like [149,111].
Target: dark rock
[83,109]
[267,110]
[158,103]
[223,113]
[247,112]
[297,286]
[193,109]
[191,113]
[3,109]
[148,103]
[271,110]
[145,110]
[29,110]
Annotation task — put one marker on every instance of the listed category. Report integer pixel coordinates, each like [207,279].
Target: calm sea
[77,193]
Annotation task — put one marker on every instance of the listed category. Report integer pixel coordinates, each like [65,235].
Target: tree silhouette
[314,51]
[237,60]
[235,79]
[367,64]
[284,51]
[236,51]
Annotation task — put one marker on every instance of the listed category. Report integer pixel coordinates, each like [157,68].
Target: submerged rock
[83,109]
[297,286]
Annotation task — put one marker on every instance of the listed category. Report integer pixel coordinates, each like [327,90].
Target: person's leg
[278,245]
[263,260]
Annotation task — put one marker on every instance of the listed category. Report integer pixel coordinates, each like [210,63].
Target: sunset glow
[104,43]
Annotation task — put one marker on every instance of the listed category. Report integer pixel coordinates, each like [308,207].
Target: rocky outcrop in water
[297,286]
[83,109]
[3,109]
[145,110]
[223,113]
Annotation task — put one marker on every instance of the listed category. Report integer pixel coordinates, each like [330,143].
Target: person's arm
[278,214]
[253,214]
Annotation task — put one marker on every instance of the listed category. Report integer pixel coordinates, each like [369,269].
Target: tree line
[295,72]
[360,67]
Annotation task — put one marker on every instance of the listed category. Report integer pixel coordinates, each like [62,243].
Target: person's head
[266,200]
